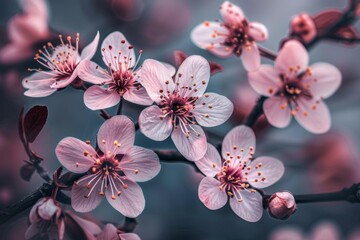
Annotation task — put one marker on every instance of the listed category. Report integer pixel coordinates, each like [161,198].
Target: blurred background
[320,163]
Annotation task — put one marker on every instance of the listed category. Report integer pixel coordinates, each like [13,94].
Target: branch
[256,112]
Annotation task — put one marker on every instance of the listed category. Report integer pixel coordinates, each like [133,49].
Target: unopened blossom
[234,35]
[235,175]
[281,205]
[62,61]
[294,89]
[24,31]
[111,232]
[182,107]
[46,219]
[303,26]
[112,171]
[121,80]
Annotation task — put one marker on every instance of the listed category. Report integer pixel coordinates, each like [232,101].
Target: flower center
[294,89]
[122,81]
[231,178]
[238,37]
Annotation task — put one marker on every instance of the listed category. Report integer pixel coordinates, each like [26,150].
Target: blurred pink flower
[294,89]
[111,172]
[182,105]
[63,61]
[25,30]
[281,205]
[236,35]
[111,232]
[303,26]
[121,80]
[237,175]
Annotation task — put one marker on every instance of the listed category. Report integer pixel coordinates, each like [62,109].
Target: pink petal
[155,78]
[326,231]
[277,111]
[258,31]
[193,75]
[210,194]
[48,209]
[238,139]
[250,57]
[89,227]
[13,53]
[109,232]
[42,90]
[250,208]
[325,79]
[140,164]
[210,164]
[313,116]
[131,201]
[138,95]
[33,215]
[271,169]
[91,72]
[287,234]
[193,147]
[292,58]
[39,84]
[98,97]
[66,81]
[81,200]
[36,8]
[265,81]
[113,44]
[171,69]
[75,155]
[154,127]
[129,236]
[118,130]
[211,36]
[89,51]
[217,110]
[232,14]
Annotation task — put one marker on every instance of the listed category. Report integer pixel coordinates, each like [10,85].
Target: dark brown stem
[256,112]
[129,225]
[267,53]
[173,156]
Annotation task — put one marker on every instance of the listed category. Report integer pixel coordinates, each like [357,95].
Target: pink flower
[303,26]
[111,171]
[45,218]
[294,89]
[111,232]
[182,105]
[121,80]
[237,175]
[62,61]
[236,35]
[24,31]
[281,205]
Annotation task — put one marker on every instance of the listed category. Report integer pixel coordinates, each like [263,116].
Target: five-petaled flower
[121,80]
[182,105]
[112,170]
[62,61]
[236,35]
[111,232]
[294,89]
[236,175]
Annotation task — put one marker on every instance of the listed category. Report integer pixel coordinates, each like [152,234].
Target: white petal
[250,208]
[210,194]
[277,111]
[271,169]
[210,164]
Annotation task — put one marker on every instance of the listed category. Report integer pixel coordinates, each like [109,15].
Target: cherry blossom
[235,175]
[111,232]
[182,106]
[235,35]
[112,171]
[281,205]
[121,80]
[62,61]
[294,89]
[25,30]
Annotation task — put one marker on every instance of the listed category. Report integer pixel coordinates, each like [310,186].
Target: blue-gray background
[173,210]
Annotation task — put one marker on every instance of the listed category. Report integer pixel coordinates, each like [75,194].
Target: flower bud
[281,205]
[303,26]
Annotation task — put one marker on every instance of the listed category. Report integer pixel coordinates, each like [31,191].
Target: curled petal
[140,164]
[154,125]
[65,81]
[258,31]
[250,57]
[292,58]
[38,84]
[91,72]
[277,111]
[212,109]
[265,81]
[98,97]
[129,236]
[75,155]
[210,194]
[89,51]
[192,145]
[116,135]
[210,164]
[250,207]
[265,171]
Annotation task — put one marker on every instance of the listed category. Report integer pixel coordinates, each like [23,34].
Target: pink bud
[303,26]
[281,205]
